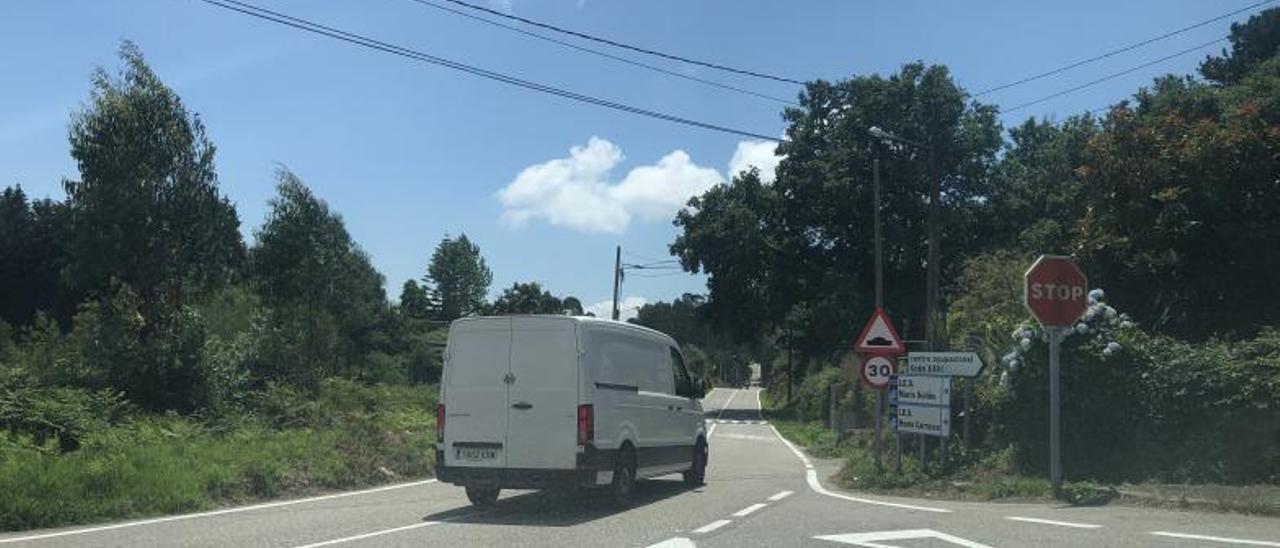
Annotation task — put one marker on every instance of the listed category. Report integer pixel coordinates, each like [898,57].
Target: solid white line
[712,526]
[1052,522]
[214,512]
[711,430]
[370,535]
[759,408]
[748,510]
[780,496]
[811,477]
[1217,539]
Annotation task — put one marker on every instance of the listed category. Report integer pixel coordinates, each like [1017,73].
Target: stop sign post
[1054,290]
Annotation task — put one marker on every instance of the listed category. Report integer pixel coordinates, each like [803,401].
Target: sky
[409,152]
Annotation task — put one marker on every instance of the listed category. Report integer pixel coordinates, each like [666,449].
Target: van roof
[579,319]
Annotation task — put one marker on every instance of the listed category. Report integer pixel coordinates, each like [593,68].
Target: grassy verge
[347,436]
[987,476]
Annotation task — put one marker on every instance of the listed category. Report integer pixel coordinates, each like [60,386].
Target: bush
[35,416]
[345,435]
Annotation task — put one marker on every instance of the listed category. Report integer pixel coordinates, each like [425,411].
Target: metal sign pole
[1055,400]
[879,414]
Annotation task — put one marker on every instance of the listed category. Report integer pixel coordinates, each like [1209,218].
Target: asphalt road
[760,491]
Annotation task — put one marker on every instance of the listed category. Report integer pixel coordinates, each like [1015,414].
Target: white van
[530,402]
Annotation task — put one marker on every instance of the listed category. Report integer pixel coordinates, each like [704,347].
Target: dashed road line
[811,477]
[370,534]
[1225,540]
[674,542]
[780,496]
[211,513]
[1053,522]
[712,526]
[748,510]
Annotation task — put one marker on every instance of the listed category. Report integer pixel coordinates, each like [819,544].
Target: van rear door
[542,427]
[479,360]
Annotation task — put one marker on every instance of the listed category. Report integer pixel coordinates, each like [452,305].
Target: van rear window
[622,359]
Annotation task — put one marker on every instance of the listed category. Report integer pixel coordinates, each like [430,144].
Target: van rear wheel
[482,496]
[623,488]
[696,475]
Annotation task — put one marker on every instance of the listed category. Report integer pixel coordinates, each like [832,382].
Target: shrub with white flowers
[1099,324]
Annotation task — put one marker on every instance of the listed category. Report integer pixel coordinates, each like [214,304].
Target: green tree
[31,256]
[800,249]
[527,298]
[1252,43]
[327,299]
[572,306]
[1181,205]
[147,209]
[458,278]
[415,302]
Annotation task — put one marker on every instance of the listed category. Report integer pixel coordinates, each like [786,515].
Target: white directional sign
[877,539]
[921,419]
[944,364]
[921,390]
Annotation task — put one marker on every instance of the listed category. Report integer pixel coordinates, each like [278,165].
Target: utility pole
[933,330]
[617,279]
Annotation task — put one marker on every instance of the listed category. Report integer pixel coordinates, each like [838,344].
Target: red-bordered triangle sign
[879,336]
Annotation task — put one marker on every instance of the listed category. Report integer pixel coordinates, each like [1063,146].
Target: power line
[316,28]
[1121,50]
[617,44]
[605,54]
[1115,75]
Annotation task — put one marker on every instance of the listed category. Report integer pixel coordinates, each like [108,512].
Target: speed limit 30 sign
[876,370]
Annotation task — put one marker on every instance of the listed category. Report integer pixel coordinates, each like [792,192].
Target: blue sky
[408,152]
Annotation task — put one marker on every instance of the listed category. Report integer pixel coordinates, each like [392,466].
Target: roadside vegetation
[1171,381]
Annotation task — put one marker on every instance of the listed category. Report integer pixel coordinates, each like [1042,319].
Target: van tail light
[440,423]
[586,424]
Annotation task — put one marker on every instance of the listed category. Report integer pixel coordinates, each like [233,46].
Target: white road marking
[711,430]
[780,496]
[213,512]
[726,404]
[811,476]
[872,540]
[712,526]
[759,408]
[745,437]
[370,535]
[748,510]
[676,542]
[1217,539]
[1052,522]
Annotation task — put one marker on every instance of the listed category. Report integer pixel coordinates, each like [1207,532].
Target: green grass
[151,465]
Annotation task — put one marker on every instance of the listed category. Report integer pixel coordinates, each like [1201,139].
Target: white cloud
[627,309]
[575,192]
[504,6]
[755,153]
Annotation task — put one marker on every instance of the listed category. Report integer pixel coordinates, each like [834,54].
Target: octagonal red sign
[1055,291]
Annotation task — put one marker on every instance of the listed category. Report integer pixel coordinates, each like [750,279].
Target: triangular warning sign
[879,337]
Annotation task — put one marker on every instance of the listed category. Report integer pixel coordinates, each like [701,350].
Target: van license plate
[477,454]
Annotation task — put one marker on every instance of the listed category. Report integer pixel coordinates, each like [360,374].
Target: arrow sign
[879,337]
[944,364]
[874,540]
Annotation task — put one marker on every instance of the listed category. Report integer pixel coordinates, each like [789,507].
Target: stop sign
[1054,290]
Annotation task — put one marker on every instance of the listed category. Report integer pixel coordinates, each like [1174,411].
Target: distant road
[760,492]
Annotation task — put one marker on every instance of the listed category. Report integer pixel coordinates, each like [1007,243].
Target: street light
[933,330]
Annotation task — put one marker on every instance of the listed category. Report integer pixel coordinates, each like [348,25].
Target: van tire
[482,496]
[697,474]
[623,488]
